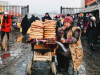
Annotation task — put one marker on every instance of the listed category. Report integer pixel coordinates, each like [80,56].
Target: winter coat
[31,20]
[37,18]
[92,32]
[73,45]
[49,18]
[57,25]
[7,22]
[25,23]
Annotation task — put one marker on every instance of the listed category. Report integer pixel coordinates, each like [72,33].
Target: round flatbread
[49,33]
[50,29]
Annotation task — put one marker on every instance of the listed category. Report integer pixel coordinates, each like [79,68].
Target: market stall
[42,40]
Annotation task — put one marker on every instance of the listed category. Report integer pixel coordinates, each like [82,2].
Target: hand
[63,27]
[3,26]
[63,41]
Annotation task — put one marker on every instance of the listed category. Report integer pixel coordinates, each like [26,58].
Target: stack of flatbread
[36,30]
[49,28]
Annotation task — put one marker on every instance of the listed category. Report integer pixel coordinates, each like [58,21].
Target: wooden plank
[40,46]
[39,59]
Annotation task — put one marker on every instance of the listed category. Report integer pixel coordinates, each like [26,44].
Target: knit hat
[68,19]
[6,13]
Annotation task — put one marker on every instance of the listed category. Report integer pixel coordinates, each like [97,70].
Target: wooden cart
[42,53]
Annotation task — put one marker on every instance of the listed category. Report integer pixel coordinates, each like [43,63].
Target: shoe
[57,67]
[92,47]
[62,70]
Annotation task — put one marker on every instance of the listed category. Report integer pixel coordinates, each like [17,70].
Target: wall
[82,3]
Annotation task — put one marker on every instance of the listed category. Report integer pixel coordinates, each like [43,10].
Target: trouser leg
[7,35]
[59,59]
[2,35]
[65,62]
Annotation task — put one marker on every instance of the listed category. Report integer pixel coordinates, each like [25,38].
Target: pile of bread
[36,30]
[41,29]
[49,29]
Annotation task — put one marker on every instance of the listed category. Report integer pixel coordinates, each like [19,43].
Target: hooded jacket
[31,20]
[7,22]
[25,23]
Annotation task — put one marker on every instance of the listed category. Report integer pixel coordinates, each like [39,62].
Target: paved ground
[16,55]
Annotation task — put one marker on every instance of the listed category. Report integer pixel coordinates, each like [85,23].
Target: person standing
[92,32]
[24,25]
[69,36]
[58,25]
[6,26]
[46,17]
[37,18]
[31,20]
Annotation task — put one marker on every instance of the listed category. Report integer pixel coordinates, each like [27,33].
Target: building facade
[3,3]
[90,2]
[92,7]
[82,3]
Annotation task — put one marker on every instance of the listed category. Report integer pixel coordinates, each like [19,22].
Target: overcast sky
[42,6]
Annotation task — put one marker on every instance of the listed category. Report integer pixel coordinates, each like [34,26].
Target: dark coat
[49,18]
[58,25]
[31,20]
[92,33]
[25,23]
[37,18]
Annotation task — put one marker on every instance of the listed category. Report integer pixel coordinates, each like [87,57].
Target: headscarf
[68,19]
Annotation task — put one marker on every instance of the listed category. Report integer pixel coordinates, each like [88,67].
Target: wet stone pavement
[15,56]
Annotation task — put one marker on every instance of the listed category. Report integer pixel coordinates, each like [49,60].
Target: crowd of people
[89,26]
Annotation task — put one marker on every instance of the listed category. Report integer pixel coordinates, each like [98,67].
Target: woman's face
[46,15]
[5,15]
[67,24]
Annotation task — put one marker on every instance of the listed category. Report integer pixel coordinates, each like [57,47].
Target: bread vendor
[69,37]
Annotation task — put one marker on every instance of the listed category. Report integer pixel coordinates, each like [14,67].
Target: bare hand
[63,41]
[63,27]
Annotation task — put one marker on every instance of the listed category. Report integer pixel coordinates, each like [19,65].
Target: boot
[1,41]
[92,47]
[60,69]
